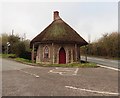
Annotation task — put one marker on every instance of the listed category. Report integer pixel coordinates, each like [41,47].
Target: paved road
[107,62]
[24,80]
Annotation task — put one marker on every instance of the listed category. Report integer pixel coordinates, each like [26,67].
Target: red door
[62,56]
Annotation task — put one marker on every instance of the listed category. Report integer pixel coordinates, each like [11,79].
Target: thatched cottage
[58,43]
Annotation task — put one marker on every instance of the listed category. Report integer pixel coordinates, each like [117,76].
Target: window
[46,52]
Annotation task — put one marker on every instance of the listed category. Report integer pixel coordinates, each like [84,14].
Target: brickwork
[72,53]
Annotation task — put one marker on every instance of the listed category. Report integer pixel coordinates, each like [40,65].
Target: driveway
[24,80]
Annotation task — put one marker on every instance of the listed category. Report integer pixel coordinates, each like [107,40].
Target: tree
[4,37]
[19,49]
[106,46]
[13,40]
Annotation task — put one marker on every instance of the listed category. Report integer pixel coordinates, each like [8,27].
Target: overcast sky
[87,18]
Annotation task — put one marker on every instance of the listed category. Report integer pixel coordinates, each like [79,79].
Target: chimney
[56,15]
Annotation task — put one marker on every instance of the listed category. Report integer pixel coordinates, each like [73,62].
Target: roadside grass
[13,57]
[23,60]
[8,55]
[82,65]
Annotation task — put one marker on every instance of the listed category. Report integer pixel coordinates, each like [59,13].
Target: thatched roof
[59,32]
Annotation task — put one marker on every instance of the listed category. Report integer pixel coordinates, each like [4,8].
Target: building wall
[72,53]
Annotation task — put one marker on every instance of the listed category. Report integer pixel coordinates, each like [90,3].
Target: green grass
[8,55]
[23,60]
[13,56]
[82,65]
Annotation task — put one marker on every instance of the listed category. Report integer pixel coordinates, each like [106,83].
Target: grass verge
[29,62]
[13,57]
[23,60]
[82,65]
[8,55]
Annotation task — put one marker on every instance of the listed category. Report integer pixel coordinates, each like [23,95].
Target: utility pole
[89,44]
[87,48]
[24,36]
[86,54]
[89,38]
[12,31]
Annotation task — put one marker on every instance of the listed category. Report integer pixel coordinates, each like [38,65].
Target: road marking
[25,72]
[75,72]
[109,67]
[92,91]
[64,71]
[55,72]
[29,73]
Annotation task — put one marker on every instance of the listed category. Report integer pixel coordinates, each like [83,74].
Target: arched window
[46,52]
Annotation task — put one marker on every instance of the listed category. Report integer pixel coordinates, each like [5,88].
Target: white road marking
[92,91]
[25,72]
[109,67]
[55,71]
[64,71]
[75,72]
[29,73]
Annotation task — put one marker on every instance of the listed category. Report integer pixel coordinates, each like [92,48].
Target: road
[25,80]
[106,62]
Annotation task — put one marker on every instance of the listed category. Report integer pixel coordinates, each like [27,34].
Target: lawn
[23,60]
[13,57]
[26,61]
[82,65]
[8,55]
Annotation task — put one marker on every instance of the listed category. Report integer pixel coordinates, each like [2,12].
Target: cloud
[86,18]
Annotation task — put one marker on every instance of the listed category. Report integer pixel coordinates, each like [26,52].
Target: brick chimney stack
[56,15]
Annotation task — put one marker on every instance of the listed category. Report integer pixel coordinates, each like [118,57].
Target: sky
[89,19]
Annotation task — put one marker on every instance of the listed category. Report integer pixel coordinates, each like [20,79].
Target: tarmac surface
[103,61]
[25,80]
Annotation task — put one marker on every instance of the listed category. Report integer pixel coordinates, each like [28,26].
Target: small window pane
[46,52]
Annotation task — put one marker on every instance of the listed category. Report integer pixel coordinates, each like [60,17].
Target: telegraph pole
[86,53]
[24,36]
[89,44]
[12,31]
[87,48]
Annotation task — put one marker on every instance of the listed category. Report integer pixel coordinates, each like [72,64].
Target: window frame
[46,52]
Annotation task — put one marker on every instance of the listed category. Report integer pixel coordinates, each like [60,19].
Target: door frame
[59,55]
